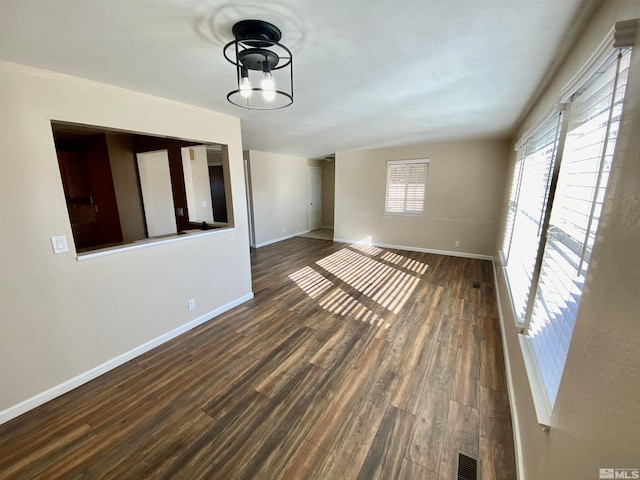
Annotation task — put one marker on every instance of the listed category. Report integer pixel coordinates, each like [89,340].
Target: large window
[553,217]
[406,187]
[588,153]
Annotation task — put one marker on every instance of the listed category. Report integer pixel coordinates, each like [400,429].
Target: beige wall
[279,191]
[60,317]
[328,192]
[596,420]
[465,188]
[125,183]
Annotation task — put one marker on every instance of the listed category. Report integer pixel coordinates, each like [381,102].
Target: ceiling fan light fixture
[256,49]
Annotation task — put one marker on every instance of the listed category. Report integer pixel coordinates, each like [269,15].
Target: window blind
[406,187]
[588,152]
[535,171]
[512,208]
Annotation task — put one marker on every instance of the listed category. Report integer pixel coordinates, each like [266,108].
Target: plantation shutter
[406,186]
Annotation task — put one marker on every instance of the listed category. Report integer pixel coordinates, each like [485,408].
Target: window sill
[404,214]
[541,403]
[538,393]
[151,242]
[516,318]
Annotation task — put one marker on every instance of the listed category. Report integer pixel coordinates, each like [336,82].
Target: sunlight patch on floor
[311,282]
[404,262]
[357,268]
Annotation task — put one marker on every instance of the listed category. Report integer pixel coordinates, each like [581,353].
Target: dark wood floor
[352,362]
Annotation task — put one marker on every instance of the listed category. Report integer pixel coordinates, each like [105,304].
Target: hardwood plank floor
[351,362]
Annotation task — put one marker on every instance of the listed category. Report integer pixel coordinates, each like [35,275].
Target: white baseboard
[515,424]
[276,240]
[420,249]
[58,390]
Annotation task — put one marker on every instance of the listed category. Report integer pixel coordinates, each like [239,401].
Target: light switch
[204,203]
[59,244]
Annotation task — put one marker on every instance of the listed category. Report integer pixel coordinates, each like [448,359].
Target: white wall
[279,190]
[596,419]
[465,188]
[60,317]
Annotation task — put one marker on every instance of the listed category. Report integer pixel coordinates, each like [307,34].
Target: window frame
[560,331]
[600,62]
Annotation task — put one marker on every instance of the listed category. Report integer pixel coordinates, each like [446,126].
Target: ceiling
[366,73]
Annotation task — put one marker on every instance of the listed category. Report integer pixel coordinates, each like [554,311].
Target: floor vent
[476,284]
[467,468]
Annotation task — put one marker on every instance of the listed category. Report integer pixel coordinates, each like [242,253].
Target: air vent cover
[467,468]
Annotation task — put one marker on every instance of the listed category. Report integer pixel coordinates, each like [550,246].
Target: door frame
[310,199]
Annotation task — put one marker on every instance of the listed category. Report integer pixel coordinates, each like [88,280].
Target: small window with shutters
[406,187]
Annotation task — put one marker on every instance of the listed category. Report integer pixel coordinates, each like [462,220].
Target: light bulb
[267,82]
[245,84]
[245,87]
[268,87]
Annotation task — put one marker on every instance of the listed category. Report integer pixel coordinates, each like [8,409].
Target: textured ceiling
[367,73]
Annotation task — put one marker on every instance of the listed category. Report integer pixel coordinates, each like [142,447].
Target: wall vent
[467,468]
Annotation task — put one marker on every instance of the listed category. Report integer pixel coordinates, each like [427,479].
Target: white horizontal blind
[587,157]
[406,187]
[533,191]
[513,207]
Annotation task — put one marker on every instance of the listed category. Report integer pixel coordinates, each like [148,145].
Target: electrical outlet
[283,229]
[457,243]
[191,304]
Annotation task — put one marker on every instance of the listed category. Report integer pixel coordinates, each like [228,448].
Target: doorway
[315,198]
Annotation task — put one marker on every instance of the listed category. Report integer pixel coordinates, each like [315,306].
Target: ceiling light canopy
[264,67]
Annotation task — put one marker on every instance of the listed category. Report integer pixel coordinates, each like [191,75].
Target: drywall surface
[596,419]
[279,192]
[464,195]
[60,317]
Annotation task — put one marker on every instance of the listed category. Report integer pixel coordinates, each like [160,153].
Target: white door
[315,198]
[157,195]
